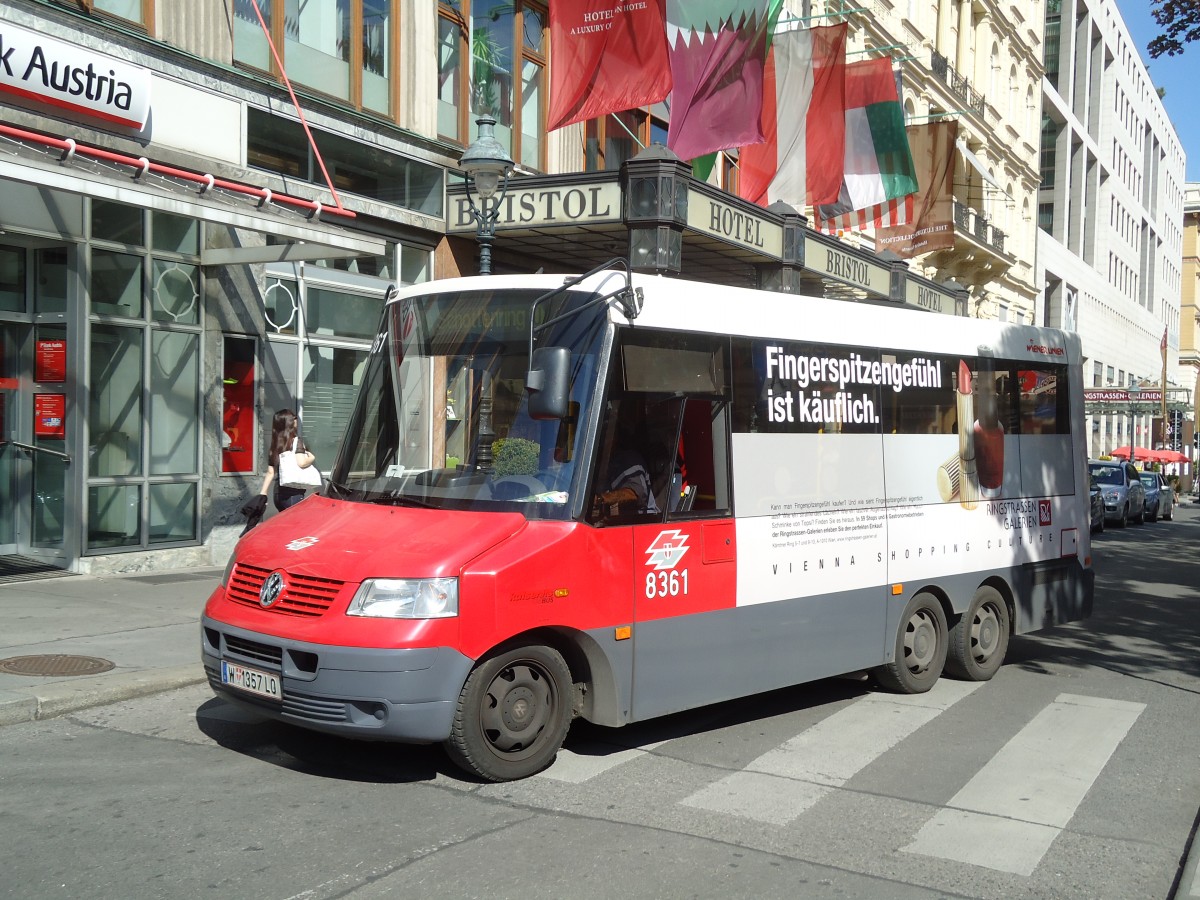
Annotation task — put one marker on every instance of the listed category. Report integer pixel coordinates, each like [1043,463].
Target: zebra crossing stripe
[1008,815]
[781,784]
[577,767]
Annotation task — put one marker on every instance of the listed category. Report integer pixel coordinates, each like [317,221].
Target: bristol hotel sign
[45,70]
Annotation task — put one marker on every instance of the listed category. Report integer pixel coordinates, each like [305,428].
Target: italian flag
[878,178]
[803,121]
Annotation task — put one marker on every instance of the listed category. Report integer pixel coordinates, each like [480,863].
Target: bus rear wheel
[921,646]
[512,715]
[979,639]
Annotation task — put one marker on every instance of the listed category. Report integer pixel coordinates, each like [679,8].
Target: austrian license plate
[252,680]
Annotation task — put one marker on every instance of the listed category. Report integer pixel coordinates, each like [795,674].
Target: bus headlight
[406,598]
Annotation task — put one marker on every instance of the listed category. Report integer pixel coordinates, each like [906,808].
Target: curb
[64,697]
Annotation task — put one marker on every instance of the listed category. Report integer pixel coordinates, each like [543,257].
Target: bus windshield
[442,420]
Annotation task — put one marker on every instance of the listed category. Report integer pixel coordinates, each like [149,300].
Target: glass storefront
[144,351]
[105,340]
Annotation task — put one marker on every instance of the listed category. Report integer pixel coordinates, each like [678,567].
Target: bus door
[671,401]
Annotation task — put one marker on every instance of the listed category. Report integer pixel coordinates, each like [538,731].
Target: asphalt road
[1075,772]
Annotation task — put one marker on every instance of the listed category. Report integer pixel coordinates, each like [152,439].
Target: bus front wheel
[513,714]
[921,645]
[979,639]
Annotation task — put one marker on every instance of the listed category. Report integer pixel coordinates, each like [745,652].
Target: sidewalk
[146,625]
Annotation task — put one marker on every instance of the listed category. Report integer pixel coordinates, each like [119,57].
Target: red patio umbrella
[1142,453]
[1169,456]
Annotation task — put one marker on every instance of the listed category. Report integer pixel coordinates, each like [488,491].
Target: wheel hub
[519,704]
[920,642]
[985,633]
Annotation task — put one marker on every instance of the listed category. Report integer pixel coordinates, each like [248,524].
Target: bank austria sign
[47,70]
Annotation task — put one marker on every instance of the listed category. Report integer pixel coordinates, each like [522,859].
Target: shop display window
[12,279]
[117,223]
[174,416]
[172,512]
[115,410]
[114,515]
[116,288]
[237,414]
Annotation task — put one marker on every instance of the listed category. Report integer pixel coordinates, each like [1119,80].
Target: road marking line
[1009,814]
[784,782]
[575,768]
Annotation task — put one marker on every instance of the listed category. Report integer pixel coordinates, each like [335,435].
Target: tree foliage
[1180,21]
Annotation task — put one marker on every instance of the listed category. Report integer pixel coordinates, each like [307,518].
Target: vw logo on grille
[271,589]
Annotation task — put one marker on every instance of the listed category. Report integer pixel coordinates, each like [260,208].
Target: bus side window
[700,483]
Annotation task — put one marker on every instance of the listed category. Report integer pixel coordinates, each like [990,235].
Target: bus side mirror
[548,382]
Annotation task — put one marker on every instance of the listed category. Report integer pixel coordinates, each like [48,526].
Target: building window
[620,136]
[279,145]
[344,48]
[1053,44]
[139,11]
[1049,155]
[492,59]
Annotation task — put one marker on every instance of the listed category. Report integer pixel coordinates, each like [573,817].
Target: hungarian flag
[878,177]
[803,120]
[608,57]
[931,226]
[718,49]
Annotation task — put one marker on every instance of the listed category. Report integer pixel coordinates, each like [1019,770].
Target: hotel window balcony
[976,225]
[957,83]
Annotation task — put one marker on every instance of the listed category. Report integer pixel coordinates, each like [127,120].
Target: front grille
[314,709]
[242,648]
[303,595]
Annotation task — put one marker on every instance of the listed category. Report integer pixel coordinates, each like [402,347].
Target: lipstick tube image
[949,474]
[968,484]
[989,439]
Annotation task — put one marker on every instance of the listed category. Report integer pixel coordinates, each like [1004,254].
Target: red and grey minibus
[617,496]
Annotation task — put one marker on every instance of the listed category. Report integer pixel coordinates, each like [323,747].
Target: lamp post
[1133,392]
[485,163]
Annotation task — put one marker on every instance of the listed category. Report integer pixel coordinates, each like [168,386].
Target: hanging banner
[932,224]
[50,415]
[608,57]
[50,362]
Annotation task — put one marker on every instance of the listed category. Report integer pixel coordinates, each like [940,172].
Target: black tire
[1141,519]
[1123,522]
[513,714]
[979,639]
[1171,517]
[1153,517]
[921,645]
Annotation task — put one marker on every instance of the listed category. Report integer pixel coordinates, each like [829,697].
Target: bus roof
[679,304]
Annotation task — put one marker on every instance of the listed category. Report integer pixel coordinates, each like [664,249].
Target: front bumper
[367,693]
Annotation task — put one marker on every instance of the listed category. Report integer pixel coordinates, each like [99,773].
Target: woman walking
[285,431]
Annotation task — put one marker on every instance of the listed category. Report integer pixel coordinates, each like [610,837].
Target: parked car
[1122,489]
[1160,497]
[1097,504]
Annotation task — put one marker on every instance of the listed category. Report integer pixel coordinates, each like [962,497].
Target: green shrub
[515,456]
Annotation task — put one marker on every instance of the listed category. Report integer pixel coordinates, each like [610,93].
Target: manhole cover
[55,664]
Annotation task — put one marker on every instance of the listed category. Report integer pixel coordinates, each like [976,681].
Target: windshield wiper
[396,498]
[337,487]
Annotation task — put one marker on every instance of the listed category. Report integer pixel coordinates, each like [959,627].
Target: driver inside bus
[626,488]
